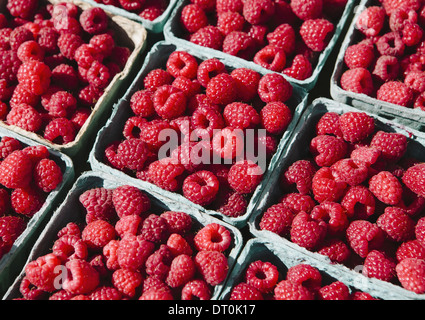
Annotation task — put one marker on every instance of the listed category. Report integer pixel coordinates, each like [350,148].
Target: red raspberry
[18,36]
[222,89]
[47,38]
[378,265]
[127,282]
[356,126]
[306,10]
[231,204]
[371,21]
[196,290]
[151,13]
[300,68]
[61,104]
[187,155]
[103,43]
[258,33]
[395,92]
[271,58]
[150,133]
[193,18]
[262,275]
[105,293]
[158,263]
[396,224]
[213,237]
[301,174]
[208,69]
[30,292]
[132,154]
[133,127]
[169,102]
[178,245]
[133,251]
[181,63]
[410,273]
[283,37]
[98,204]
[390,44]
[30,50]
[205,120]
[336,250]
[65,76]
[9,65]
[26,201]
[189,87]
[166,174]
[25,117]
[275,117]
[178,222]
[212,266]
[335,291]
[298,202]
[244,291]
[70,247]
[68,44]
[306,231]
[16,170]
[316,33]
[352,172]
[60,131]
[274,87]
[359,202]
[209,36]
[129,200]
[89,95]
[98,233]
[35,76]
[364,236]
[245,176]
[391,5]
[157,294]
[258,11]
[305,275]
[230,21]
[98,75]
[110,251]
[241,116]
[391,145]
[201,187]
[415,81]
[41,272]
[386,68]
[141,103]
[128,224]
[410,249]
[8,145]
[182,270]
[239,44]
[71,229]
[278,219]
[329,124]
[287,290]
[357,80]
[360,55]
[47,175]
[386,187]
[24,9]
[412,179]
[11,227]
[325,188]
[412,34]
[229,5]
[154,229]
[333,214]
[94,20]
[328,150]
[157,78]
[132,5]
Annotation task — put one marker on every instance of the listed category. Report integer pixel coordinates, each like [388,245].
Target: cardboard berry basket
[407,116]
[128,33]
[298,149]
[12,261]
[113,129]
[71,210]
[173,33]
[155,26]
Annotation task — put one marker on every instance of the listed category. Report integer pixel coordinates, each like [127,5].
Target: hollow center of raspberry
[216,238]
[259,274]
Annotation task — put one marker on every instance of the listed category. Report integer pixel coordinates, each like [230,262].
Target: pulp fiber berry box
[283,258]
[127,33]
[71,210]
[174,33]
[407,116]
[12,261]
[113,129]
[155,26]
[298,149]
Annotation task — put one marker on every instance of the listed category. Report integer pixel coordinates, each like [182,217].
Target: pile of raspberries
[263,280]
[359,199]
[388,60]
[124,251]
[210,108]
[27,176]
[56,62]
[145,9]
[282,36]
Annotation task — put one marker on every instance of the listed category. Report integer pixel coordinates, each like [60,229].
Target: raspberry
[239,44]
[396,224]
[150,133]
[29,292]
[306,231]
[378,265]
[11,227]
[352,172]
[333,214]
[371,21]
[25,117]
[30,50]
[359,55]
[158,263]
[166,174]
[305,275]
[412,34]
[61,104]
[178,222]
[213,237]
[151,13]
[336,250]
[228,143]
[133,251]
[229,5]
[232,204]
[193,18]
[415,81]
[364,236]
[206,119]
[98,75]
[68,44]
[103,43]
[9,65]
[70,247]
[132,5]
[325,188]
[329,124]
[390,44]
[178,245]
[60,131]
[110,251]
[47,175]
[258,33]
[98,233]
[127,282]
[16,170]
[410,273]
[274,87]
[245,176]
[182,270]
[128,224]
[201,187]
[400,16]
[85,55]
[129,200]
[26,201]
[141,103]
[275,117]
[359,202]
[18,36]
[187,155]
[301,174]
[89,95]
[386,68]
[65,76]
[94,20]
[300,68]
[287,290]
[244,291]
[271,58]
[391,145]
[298,202]
[230,21]
[47,39]
[412,179]
[98,204]
[35,76]
[132,154]
[356,126]
[410,249]
[306,10]
[157,294]
[258,11]
[196,290]
[316,33]
[41,272]
[8,145]
[212,266]
[154,229]
[181,63]
[327,150]
[105,293]
[335,291]
[208,69]
[169,102]
[386,187]
[209,36]
[222,89]
[357,80]
[24,9]
[262,275]
[391,5]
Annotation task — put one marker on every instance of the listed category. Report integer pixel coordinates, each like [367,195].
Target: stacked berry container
[26,210]
[386,78]
[151,14]
[114,130]
[339,217]
[266,36]
[68,71]
[129,218]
